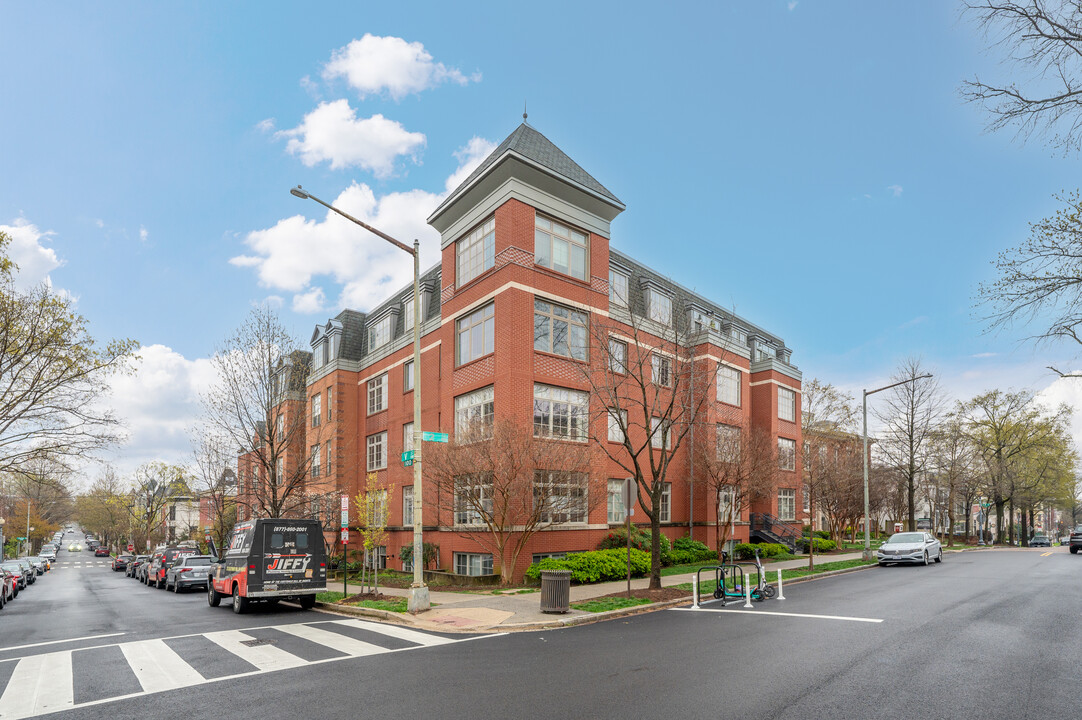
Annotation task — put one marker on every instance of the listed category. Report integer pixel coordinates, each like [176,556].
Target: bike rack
[720,574]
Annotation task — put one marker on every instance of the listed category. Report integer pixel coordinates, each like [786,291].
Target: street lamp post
[867,554]
[418,598]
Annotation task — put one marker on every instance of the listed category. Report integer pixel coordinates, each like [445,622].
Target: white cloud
[310,302]
[143,234]
[35,261]
[332,132]
[266,125]
[295,250]
[469,157]
[99,222]
[376,64]
[792,5]
[1066,391]
[158,404]
[896,190]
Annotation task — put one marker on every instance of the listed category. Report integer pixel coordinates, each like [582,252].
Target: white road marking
[397,632]
[158,667]
[782,614]
[57,642]
[39,684]
[333,640]
[264,657]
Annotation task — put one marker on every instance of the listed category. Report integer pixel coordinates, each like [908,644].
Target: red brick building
[526,243]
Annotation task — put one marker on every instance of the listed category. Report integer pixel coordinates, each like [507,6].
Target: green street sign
[407,458]
[434,437]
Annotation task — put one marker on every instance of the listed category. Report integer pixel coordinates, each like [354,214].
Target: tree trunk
[655,548]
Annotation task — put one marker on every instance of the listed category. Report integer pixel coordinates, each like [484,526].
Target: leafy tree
[953,468]
[52,373]
[154,483]
[103,509]
[374,505]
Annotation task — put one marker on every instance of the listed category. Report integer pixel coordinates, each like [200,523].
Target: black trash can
[555,591]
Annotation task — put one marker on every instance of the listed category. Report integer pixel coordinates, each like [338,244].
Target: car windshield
[197,561]
[906,538]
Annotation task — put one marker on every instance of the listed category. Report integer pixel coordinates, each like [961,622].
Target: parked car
[120,562]
[37,563]
[133,565]
[910,547]
[22,572]
[1075,541]
[101,551]
[11,583]
[1040,540]
[188,572]
[162,561]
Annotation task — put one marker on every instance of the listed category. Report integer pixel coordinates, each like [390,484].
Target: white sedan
[910,547]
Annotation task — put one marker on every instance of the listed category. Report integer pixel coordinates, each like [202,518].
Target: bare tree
[736,465]
[215,479]
[653,391]
[259,405]
[374,506]
[828,418]
[1044,40]
[910,414]
[500,485]
[153,484]
[953,467]
[52,373]
[103,509]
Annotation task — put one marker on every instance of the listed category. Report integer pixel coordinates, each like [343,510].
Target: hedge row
[595,565]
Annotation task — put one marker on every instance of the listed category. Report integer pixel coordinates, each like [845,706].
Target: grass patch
[329,597]
[605,604]
[398,605]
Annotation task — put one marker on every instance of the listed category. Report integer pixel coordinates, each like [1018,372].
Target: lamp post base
[866,554]
[418,599]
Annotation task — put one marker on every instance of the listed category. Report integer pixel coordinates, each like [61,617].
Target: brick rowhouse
[529,229]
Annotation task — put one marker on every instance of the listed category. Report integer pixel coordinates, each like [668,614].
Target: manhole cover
[257,641]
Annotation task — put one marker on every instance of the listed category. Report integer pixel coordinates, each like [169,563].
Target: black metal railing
[778,531]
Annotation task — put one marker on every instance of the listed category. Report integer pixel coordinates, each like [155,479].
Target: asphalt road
[986,635]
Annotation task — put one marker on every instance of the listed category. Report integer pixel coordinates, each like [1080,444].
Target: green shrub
[825,534]
[686,551]
[746,551]
[821,545]
[640,539]
[595,565]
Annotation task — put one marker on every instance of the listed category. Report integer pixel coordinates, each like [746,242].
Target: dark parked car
[120,562]
[1076,539]
[134,564]
[24,575]
[188,572]
[162,561]
[1040,541]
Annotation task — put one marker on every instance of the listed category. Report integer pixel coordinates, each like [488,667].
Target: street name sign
[434,437]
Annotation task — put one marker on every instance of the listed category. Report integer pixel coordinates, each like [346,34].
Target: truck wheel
[1074,550]
[240,604]
[213,598]
[308,602]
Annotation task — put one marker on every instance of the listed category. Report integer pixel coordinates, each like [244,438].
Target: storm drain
[256,642]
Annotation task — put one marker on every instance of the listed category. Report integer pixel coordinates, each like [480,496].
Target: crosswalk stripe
[264,657]
[397,632]
[158,667]
[40,684]
[335,641]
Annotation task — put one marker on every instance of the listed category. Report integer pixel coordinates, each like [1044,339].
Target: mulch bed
[360,597]
[660,595]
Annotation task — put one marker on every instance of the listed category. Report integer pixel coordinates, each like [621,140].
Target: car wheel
[213,598]
[1074,550]
[925,557]
[158,581]
[176,588]
[882,564]
[939,558]
[240,604]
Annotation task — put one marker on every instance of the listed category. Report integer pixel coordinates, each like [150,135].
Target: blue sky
[810,164]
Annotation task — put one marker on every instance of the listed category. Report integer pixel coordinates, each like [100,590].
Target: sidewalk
[487,612]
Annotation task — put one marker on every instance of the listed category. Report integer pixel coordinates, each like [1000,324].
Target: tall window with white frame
[476,252]
[661,436]
[559,330]
[618,288]
[618,356]
[317,409]
[659,306]
[407,505]
[666,503]
[473,499]
[616,511]
[728,443]
[379,334]
[475,414]
[377,394]
[560,413]
[560,497]
[617,425]
[561,248]
[786,404]
[476,334]
[317,463]
[729,385]
[407,437]
[407,313]
[787,504]
[662,369]
[786,454]
[407,376]
[377,451]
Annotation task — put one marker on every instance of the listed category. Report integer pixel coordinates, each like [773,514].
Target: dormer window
[658,306]
[618,288]
[561,248]
[407,313]
[317,354]
[379,334]
[764,352]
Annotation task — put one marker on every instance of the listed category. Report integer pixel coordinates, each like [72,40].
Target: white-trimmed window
[662,434]
[407,437]
[476,334]
[787,504]
[407,313]
[726,498]
[475,414]
[560,413]
[561,248]
[379,334]
[377,394]
[786,454]
[280,426]
[280,469]
[618,356]
[377,451]
[473,499]
[560,497]
[317,409]
[407,376]
[666,503]
[616,432]
[786,404]
[317,463]
[475,252]
[728,442]
[559,330]
[473,564]
[407,505]
[658,306]
[728,385]
[330,415]
[317,355]
[662,369]
[765,352]
[327,452]
[618,288]
[805,496]
[617,513]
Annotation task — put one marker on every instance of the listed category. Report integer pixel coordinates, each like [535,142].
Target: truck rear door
[288,557]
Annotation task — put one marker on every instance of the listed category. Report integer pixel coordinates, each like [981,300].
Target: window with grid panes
[327,452]
[618,285]
[475,414]
[377,451]
[407,313]
[377,394]
[561,248]
[616,512]
[407,505]
[728,385]
[473,564]
[475,252]
[560,413]
[662,434]
[407,376]
[476,334]
[559,330]
[658,307]
[662,370]
[473,499]
[728,442]
[786,454]
[330,414]
[407,437]
[317,409]
[727,511]
[786,404]
[379,334]
[787,504]
[666,503]
[560,497]
[616,432]
[618,356]
[317,464]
